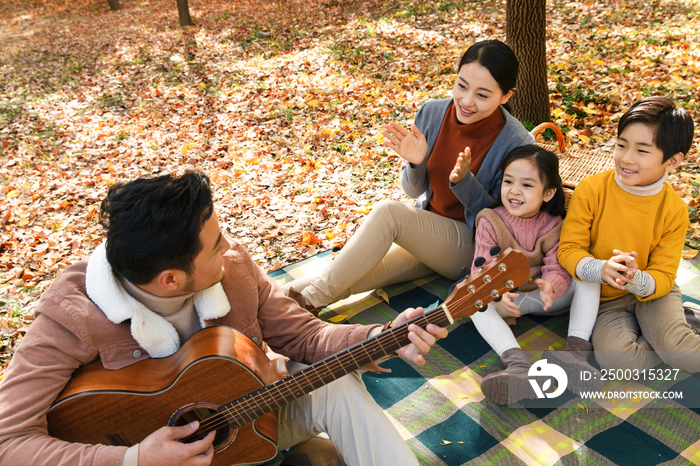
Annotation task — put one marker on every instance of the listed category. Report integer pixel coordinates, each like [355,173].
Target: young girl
[528,217]
[453,155]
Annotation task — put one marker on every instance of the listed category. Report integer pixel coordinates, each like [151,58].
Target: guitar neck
[511,269]
[271,397]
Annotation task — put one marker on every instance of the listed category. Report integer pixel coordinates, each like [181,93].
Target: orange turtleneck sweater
[454,137]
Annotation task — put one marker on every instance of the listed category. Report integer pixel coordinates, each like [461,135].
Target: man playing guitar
[165,272]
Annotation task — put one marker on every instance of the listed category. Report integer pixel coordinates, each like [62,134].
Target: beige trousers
[354,422]
[633,334]
[395,243]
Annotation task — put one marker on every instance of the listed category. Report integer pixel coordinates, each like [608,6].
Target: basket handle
[560,137]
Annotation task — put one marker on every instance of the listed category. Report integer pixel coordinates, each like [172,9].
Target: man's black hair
[153,224]
[672,125]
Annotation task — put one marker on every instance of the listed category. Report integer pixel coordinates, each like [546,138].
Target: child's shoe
[574,360]
[511,385]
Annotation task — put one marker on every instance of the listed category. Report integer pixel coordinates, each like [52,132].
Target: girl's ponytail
[556,206]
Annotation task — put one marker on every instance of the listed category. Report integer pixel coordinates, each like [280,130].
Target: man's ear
[674,161]
[170,282]
[170,279]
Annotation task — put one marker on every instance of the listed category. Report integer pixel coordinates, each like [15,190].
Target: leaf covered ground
[281,102]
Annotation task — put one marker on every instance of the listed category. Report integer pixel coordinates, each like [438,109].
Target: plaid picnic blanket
[441,413]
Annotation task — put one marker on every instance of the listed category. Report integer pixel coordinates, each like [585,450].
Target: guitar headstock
[508,271]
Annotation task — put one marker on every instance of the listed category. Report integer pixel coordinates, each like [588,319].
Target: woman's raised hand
[410,145]
[462,166]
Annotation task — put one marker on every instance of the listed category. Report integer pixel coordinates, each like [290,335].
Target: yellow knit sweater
[602,216]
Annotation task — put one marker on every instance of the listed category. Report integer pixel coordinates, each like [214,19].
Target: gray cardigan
[474,192]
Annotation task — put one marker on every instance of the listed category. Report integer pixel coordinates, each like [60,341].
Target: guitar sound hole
[224,436]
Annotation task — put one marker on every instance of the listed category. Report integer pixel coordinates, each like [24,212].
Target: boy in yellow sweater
[625,228]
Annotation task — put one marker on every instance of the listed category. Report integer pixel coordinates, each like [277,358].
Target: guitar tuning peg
[498,299]
[495,250]
[464,271]
[479,261]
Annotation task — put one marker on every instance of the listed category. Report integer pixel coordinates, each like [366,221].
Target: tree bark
[526,30]
[183,12]
[114,5]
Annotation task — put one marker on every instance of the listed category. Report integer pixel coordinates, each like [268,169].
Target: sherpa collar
[156,335]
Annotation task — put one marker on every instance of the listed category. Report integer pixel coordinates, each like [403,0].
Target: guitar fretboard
[271,397]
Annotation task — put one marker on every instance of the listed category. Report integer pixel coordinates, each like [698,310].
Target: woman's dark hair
[547,164]
[496,57]
[153,224]
[672,126]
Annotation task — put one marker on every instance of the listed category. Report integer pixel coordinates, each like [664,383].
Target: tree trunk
[526,29]
[114,5]
[183,12]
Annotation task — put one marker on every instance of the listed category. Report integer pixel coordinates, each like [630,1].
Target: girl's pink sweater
[526,231]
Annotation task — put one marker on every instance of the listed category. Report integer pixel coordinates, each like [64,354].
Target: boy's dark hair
[673,126]
[547,164]
[496,57]
[153,224]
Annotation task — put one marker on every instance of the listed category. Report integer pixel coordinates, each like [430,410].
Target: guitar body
[214,366]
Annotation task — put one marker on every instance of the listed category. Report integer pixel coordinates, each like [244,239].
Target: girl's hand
[410,145]
[462,166]
[546,293]
[509,305]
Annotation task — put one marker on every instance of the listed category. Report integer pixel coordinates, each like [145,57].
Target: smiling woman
[476,94]
[452,164]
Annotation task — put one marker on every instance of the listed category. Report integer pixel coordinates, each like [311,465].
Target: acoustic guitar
[217,364]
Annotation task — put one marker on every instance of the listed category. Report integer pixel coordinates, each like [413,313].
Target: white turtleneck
[177,310]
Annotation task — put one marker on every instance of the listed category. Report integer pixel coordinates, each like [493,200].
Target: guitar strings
[245,407]
[341,361]
[307,379]
[332,370]
[248,406]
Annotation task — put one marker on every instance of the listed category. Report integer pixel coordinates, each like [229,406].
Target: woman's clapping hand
[410,145]
[462,166]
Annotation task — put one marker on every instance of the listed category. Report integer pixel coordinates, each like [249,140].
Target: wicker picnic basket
[574,164]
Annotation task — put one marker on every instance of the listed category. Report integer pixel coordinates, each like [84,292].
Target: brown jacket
[70,330]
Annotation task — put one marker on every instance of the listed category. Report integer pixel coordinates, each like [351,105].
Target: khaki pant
[354,422]
[633,334]
[395,243]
